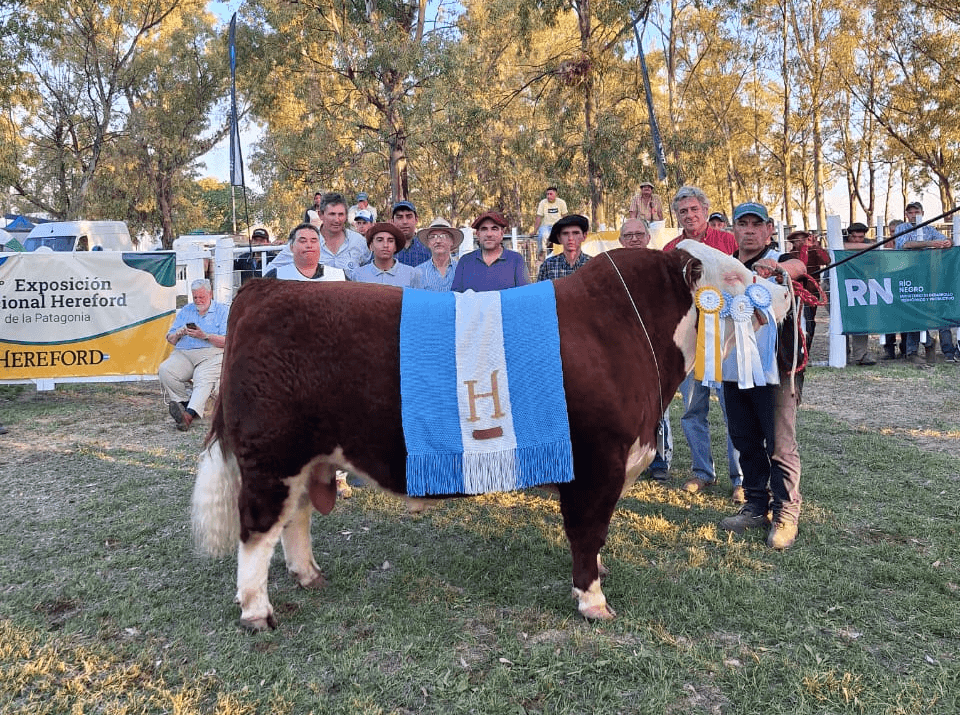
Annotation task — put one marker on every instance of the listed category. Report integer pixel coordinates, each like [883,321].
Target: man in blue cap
[404,215]
[762,420]
[362,205]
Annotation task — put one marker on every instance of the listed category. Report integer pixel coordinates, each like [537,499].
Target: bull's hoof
[601,612]
[316,582]
[258,625]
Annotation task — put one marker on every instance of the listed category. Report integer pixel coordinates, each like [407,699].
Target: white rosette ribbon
[707,364]
[759,295]
[749,368]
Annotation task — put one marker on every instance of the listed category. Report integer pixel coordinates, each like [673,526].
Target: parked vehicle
[72,236]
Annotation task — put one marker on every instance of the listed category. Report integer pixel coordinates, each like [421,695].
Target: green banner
[886,291]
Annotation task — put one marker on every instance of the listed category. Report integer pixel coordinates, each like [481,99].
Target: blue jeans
[696,401]
[543,233]
[947,346]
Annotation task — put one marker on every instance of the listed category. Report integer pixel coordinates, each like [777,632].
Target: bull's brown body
[311,379]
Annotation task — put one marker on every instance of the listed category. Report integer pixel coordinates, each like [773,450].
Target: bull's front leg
[587,505]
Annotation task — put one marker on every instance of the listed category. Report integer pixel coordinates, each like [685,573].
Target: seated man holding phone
[192,371]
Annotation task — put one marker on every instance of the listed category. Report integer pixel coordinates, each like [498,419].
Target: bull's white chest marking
[638,458]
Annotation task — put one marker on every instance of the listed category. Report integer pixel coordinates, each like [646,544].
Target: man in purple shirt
[490,267]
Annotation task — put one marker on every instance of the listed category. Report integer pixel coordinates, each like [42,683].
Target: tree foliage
[461,107]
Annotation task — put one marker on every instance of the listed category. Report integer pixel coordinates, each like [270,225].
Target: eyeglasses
[433,236]
[634,236]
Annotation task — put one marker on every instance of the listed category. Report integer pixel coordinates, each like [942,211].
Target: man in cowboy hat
[645,204]
[570,232]
[384,240]
[443,240]
[490,267]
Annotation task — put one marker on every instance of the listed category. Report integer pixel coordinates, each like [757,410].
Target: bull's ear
[693,272]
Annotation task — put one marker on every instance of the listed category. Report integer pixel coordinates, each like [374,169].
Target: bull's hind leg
[253,566]
[297,546]
[587,505]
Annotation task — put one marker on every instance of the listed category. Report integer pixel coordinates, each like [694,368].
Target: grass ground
[105,608]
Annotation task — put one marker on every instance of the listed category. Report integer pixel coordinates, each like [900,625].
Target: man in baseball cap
[404,216]
[362,205]
[363,221]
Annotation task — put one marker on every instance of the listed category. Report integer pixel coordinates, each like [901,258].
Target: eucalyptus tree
[78,62]
[919,106]
[339,88]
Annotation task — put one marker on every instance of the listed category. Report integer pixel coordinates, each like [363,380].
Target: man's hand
[195,333]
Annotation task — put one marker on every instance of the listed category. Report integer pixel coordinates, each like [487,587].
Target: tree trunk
[398,166]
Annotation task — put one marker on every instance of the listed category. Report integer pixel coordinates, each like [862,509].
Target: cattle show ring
[463,607]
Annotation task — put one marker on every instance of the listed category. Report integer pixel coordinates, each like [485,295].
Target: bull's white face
[726,274]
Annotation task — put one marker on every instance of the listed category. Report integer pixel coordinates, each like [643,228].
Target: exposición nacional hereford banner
[83,314]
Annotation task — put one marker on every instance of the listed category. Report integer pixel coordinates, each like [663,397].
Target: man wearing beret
[384,240]
[490,267]
[570,232]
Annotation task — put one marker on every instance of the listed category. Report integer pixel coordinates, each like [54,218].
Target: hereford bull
[311,382]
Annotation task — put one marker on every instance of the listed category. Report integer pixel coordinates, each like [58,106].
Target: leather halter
[645,333]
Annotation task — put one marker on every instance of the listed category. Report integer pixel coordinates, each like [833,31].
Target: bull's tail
[215,510]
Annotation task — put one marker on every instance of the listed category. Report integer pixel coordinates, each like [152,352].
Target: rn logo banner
[886,291]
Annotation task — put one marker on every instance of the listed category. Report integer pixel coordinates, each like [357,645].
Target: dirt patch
[891,397]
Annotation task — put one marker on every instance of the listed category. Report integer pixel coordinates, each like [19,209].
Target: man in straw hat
[443,241]
[645,204]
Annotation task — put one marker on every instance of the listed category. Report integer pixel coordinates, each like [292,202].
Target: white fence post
[223,270]
[838,341]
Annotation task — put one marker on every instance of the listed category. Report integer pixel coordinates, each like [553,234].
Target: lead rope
[645,333]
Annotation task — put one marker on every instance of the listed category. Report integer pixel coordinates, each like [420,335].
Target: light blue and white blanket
[481,390]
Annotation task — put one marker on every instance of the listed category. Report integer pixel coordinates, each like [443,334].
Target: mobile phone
[192,326]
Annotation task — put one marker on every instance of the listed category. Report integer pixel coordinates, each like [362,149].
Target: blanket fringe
[480,473]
